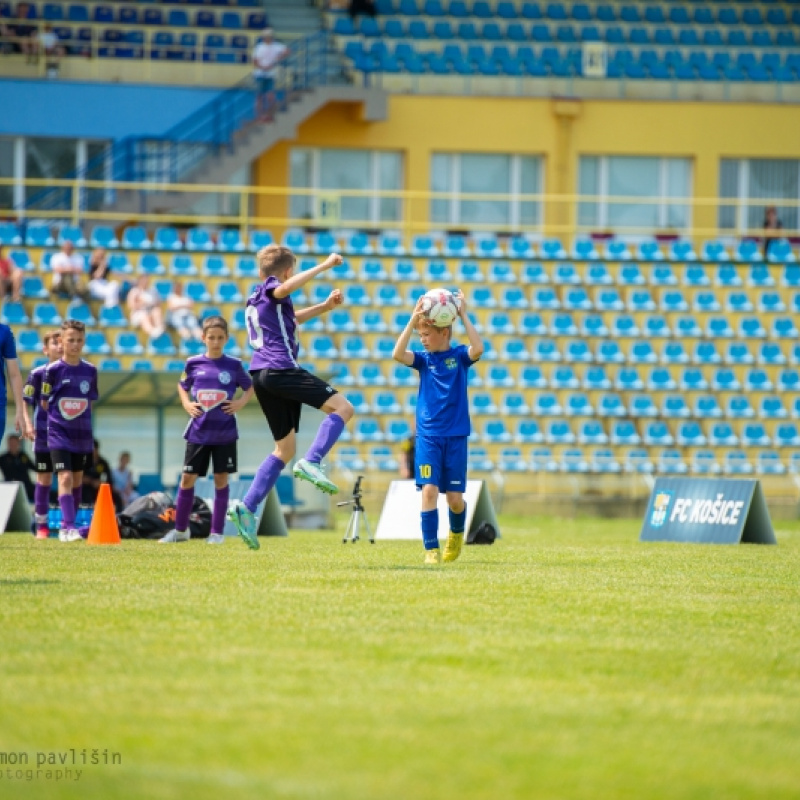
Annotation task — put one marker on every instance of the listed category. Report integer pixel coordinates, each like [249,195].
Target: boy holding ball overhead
[443,423]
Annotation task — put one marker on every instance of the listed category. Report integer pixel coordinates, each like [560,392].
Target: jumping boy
[207,388]
[282,386]
[32,394]
[443,423]
[69,388]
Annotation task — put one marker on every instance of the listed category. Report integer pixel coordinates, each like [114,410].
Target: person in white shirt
[68,267]
[180,314]
[267,56]
[99,284]
[145,309]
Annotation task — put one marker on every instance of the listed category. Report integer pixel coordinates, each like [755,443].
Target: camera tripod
[351,532]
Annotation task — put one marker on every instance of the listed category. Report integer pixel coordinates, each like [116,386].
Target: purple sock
[67,503]
[329,431]
[41,500]
[221,497]
[183,508]
[266,477]
[77,496]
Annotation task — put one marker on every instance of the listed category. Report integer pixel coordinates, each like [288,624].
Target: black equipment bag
[485,533]
[153,515]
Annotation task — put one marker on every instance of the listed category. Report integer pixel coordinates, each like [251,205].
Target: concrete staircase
[249,143]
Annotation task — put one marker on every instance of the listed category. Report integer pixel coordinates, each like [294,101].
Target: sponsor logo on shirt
[72,407]
[84,387]
[450,363]
[211,398]
[224,378]
[46,387]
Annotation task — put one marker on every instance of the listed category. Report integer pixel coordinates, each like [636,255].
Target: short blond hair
[273,259]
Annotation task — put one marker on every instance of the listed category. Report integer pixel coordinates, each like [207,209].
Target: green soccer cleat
[433,556]
[308,471]
[452,550]
[244,520]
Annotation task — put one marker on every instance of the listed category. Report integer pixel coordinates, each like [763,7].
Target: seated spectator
[771,223]
[68,267]
[122,480]
[19,35]
[99,472]
[10,278]
[144,306]
[100,286]
[366,7]
[180,314]
[52,49]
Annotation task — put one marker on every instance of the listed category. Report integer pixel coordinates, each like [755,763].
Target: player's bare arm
[21,421]
[335,298]
[293,283]
[475,341]
[232,406]
[401,352]
[192,409]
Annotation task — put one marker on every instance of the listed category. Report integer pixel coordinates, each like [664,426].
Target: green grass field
[566,661]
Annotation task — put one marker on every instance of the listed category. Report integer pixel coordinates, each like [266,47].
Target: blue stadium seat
[553,249]
[38,235]
[674,353]
[623,432]
[33,287]
[559,432]
[690,434]
[611,405]
[656,327]
[624,326]
[670,462]
[757,380]
[682,251]
[71,233]
[531,377]
[566,274]
[96,344]
[704,462]
[495,432]
[46,314]
[542,460]
[727,275]
[167,239]
[631,275]
[183,266]
[657,434]
[609,352]
[578,405]
[514,404]
[9,234]
[650,251]
[578,351]
[736,462]
[28,341]
[760,275]
[609,300]
[593,325]
[528,431]
[595,378]
[564,377]
[663,275]
[78,310]
[14,314]
[199,239]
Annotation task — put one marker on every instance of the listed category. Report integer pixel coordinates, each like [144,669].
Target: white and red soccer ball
[441,307]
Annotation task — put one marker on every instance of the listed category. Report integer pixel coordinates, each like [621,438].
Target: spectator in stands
[100,286]
[267,56]
[21,34]
[98,473]
[52,49]
[365,7]
[771,223]
[180,314]
[68,267]
[10,278]
[17,465]
[144,306]
[122,480]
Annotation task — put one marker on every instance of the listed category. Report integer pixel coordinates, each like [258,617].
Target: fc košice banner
[710,510]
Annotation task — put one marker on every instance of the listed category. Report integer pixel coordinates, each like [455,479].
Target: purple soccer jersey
[271,328]
[70,391]
[32,395]
[212,382]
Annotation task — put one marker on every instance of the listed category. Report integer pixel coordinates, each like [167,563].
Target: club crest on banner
[72,407]
[211,398]
[660,508]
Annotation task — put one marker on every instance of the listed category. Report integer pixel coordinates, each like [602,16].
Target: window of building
[634,194]
[6,171]
[332,170]
[503,179]
[756,183]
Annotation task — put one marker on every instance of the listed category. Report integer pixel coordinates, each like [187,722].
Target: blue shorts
[265,85]
[441,461]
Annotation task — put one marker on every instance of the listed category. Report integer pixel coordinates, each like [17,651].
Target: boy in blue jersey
[69,388]
[443,423]
[32,394]
[207,388]
[10,365]
[282,386]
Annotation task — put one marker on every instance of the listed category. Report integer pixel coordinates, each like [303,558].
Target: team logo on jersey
[85,387]
[28,390]
[211,398]
[46,388]
[224,378]
[450,363]
[72,407]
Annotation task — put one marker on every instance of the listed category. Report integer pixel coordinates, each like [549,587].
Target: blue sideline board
[707,510]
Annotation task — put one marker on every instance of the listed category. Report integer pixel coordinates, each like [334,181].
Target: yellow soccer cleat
[433,557]
[452,550]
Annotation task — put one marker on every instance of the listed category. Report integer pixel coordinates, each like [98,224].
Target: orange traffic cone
[104,528]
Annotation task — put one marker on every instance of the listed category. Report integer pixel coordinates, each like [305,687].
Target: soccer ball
[441,307]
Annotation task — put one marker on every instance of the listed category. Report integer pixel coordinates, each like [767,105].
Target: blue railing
[206,132]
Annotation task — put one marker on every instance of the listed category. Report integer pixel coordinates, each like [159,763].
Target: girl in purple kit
[69,388]
[282,386]
[32,394]
[207,387]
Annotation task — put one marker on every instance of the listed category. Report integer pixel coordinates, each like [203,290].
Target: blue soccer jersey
[442,403]
[8,350]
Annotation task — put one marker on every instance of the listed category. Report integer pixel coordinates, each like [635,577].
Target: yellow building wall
[559,130]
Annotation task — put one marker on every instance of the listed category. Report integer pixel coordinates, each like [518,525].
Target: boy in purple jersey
[68,389]
[282,386]
[206,389]
[32,394]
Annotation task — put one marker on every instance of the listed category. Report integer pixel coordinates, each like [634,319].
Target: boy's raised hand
[419,309]
[333,260]
[461,303]
[335,298]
